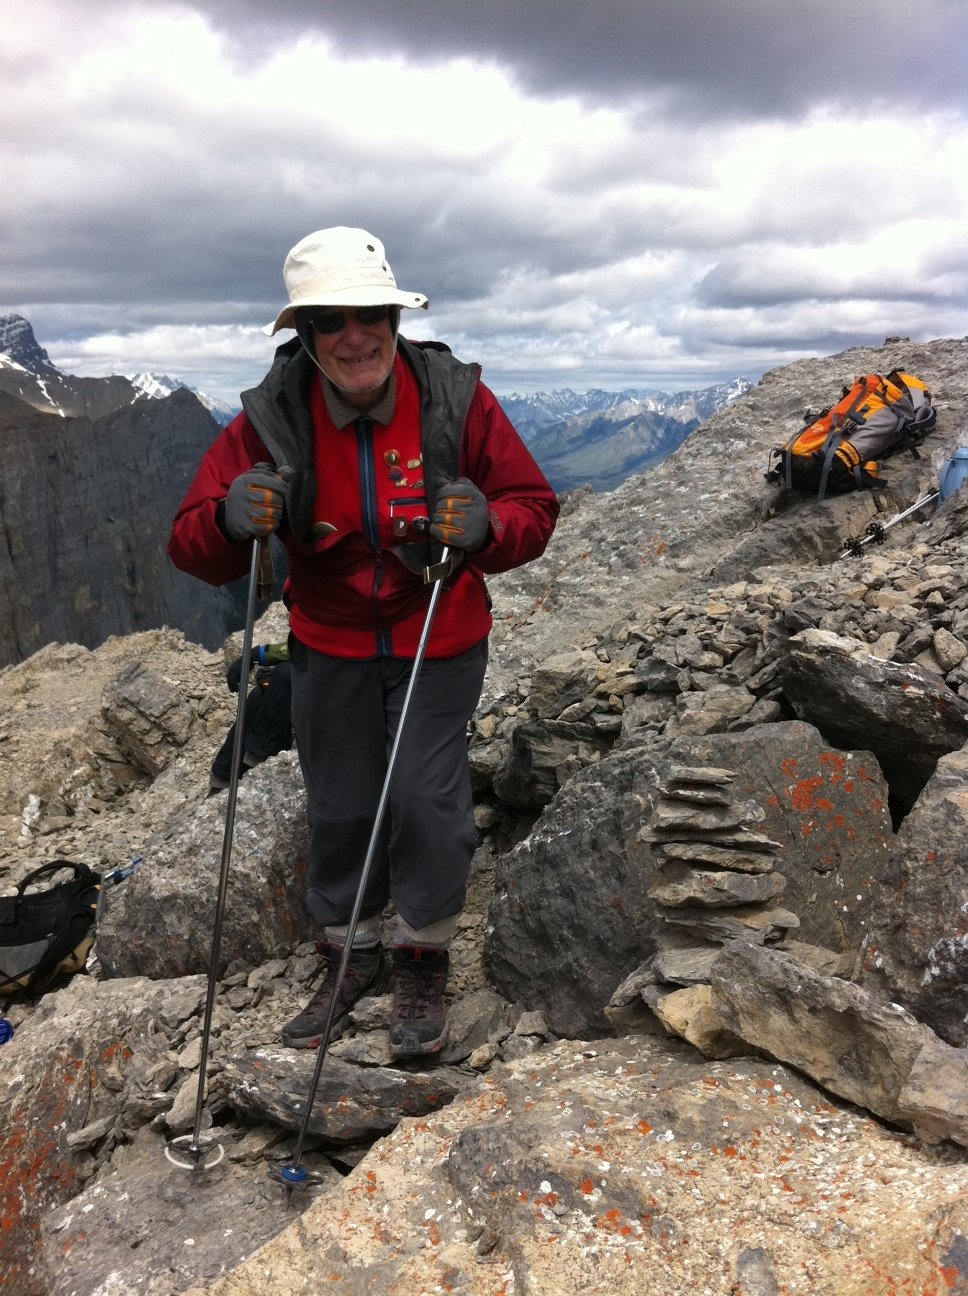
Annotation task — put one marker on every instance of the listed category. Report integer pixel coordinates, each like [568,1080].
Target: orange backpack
[838,450]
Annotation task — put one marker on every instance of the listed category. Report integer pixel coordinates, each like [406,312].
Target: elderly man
[391,450]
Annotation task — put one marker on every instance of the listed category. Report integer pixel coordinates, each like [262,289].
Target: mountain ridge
[27,372]
[93,475]
[600,438]
[646,425]
[536,411]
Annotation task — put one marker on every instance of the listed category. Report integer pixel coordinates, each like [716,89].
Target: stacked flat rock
[715,877]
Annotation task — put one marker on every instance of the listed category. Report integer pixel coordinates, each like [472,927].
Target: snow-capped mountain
[93,473]
[26,373]
[18,346]
[151,386]
[536,411]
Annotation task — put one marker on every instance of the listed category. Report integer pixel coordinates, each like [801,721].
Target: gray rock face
[572,912]
[917,950]
[87,506]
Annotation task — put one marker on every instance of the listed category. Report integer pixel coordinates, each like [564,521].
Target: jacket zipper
[371,529]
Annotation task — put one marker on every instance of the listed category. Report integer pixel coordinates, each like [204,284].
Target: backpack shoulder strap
[858,394]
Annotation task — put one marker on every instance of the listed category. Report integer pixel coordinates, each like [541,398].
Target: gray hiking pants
[345,715]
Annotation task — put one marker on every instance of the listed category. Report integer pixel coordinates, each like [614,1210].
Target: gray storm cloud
[635,192]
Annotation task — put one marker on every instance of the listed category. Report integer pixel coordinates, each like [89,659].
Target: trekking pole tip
[294,1178]
[294,1175]
[188,1154]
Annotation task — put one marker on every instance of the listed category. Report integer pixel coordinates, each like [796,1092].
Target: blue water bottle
[6,1030]
[953,474]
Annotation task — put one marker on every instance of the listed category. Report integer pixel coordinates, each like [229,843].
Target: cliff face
[85,509]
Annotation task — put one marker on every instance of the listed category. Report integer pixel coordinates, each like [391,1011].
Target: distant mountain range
[599,438]
[26,371]
[158,386]
[539,411]
[596,438]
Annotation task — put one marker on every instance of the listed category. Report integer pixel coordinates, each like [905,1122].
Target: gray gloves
[460,517]
[254,504]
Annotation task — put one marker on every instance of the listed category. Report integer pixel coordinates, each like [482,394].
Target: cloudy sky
[614,193]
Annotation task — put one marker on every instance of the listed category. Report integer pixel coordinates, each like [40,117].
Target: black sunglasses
[331,321]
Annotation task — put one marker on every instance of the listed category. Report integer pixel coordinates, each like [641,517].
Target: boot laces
[328,984]
[419,986]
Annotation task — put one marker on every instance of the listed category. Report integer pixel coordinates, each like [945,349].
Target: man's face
[358,357]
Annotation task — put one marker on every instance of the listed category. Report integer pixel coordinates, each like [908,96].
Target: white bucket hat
[339,267]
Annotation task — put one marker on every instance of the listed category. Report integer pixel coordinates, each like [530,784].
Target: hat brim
[372,296]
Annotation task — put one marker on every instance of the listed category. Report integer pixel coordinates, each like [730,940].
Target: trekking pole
[190,1151]
[876,530]
[295,1175]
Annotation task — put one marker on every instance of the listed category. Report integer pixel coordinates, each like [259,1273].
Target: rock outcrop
[86,508]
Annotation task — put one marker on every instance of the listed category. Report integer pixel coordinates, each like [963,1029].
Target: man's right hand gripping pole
[255,501]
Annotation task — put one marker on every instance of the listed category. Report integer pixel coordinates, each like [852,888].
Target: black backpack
[44,934]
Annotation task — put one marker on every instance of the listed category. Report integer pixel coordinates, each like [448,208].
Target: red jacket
[353,591]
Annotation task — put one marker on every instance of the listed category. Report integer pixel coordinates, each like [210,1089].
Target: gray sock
[437,935]
[367,935]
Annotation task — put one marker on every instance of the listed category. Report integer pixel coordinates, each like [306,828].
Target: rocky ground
[608,1119]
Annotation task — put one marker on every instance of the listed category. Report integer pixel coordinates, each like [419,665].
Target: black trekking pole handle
[294,1175]
[876,530]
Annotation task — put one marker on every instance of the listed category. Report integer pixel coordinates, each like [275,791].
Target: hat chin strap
[304,331]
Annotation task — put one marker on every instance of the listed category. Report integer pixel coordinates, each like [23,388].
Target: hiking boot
[419,1021]
[367,973]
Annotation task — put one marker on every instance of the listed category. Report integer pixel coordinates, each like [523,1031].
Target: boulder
[829,1029]
[572,915]
[903,713]
[161,922]
[151,716]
